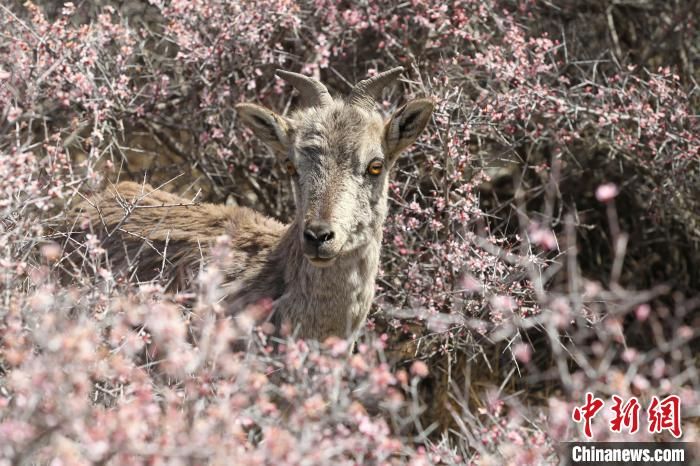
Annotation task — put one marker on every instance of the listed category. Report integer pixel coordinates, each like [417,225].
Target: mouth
[321,262]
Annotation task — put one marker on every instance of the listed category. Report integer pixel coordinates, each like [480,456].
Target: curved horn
[312,91]
[365,93]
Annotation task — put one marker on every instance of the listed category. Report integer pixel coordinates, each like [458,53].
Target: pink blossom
[606,192]
[14,114]
[522,352]
[419,369]
[543,237]
[642,312]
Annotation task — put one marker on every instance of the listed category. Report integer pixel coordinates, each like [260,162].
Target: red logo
[662,415]
[586,412]
[665,415]
[626,415]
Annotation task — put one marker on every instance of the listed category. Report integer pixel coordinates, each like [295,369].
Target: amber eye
[291,169]
[375,167]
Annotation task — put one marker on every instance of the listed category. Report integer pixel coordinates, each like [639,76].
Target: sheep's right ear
[272,129]
[406,124]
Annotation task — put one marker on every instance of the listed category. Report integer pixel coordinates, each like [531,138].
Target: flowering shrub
[543,242]
[143,380]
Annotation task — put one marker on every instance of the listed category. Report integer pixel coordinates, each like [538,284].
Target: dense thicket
[544,238]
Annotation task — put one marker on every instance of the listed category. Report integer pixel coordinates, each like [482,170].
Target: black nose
[317,233]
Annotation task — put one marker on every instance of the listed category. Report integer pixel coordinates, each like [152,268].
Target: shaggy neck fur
[322,302]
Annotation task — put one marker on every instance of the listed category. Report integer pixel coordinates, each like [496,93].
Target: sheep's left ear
[406,124]
[273,129]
